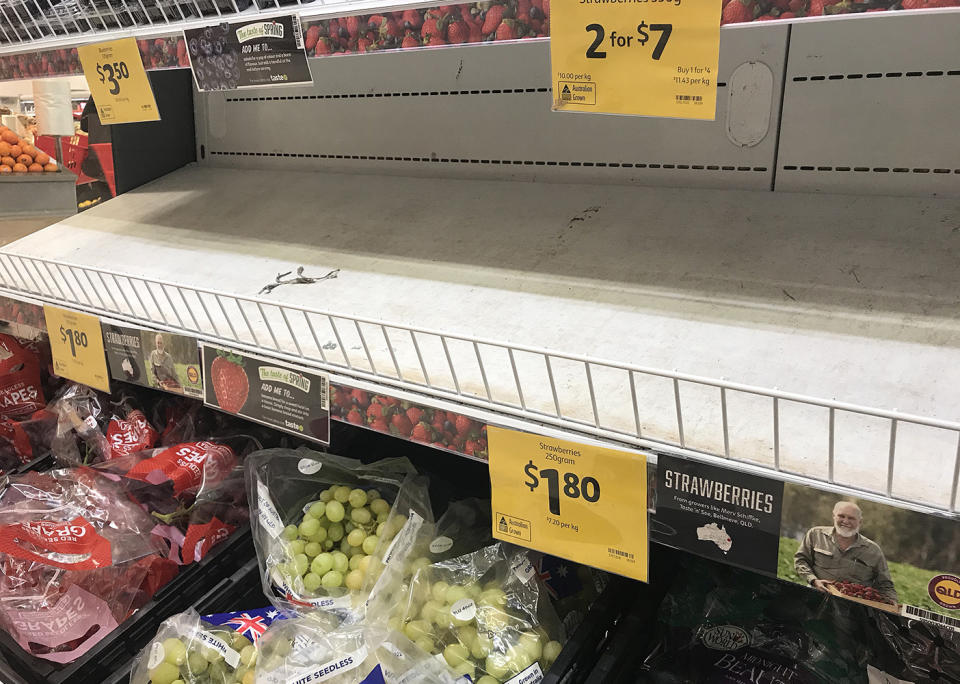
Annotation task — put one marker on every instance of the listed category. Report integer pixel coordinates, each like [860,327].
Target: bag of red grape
[332,533]
[93,427]
[484,613]
[76,558]
[21,387]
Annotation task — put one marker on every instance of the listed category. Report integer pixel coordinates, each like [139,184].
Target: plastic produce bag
[484,613]
[463,528]
[312,648]
[402,662]
[914,651]
[718,624]
[106,427]
[189,649]
[332,532]
[76,558]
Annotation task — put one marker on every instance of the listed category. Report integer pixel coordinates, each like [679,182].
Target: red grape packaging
[75,552]
[333,534]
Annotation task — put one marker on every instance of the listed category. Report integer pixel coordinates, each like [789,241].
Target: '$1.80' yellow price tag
[577,501]
[76,344]
[646,57]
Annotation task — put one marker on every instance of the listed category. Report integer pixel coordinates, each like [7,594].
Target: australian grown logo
[945,591]
[263,29]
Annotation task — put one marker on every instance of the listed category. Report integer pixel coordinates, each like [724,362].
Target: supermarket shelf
[559,307]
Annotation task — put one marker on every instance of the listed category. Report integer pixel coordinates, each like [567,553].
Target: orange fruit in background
[8,161]
[19,168]
[10,137]
[35,168]
[42,158]
[5,169]
[25,159]
[16,151]
[4,149]
[50,167]
[29,149]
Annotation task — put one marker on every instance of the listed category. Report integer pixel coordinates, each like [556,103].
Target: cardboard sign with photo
[165,361]
[886,557]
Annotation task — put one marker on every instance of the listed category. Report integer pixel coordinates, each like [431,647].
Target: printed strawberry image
[230,384]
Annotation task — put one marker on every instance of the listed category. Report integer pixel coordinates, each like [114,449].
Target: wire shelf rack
[499,377]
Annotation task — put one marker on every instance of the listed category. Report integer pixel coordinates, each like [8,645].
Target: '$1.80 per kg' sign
[573,486]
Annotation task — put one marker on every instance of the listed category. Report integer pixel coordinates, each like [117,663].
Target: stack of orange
[19,156]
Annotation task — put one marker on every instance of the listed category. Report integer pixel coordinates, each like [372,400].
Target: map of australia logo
[716,534]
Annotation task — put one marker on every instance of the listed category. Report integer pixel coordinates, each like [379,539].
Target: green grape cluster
[194,662]
[333,544]
[475,629]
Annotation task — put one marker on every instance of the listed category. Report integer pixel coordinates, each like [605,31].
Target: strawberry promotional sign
[149,358]
[278,395]
[883,556]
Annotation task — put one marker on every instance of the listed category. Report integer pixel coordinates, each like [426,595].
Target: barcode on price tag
[930,616]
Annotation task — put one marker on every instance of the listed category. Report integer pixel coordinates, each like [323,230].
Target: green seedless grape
[335,511]
[317,509]
[370,544]
[332,579]
[357,498]
[290,532]
[342,494]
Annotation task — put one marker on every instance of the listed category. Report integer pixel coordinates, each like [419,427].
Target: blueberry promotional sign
[248,54]
[268,392]
[718,513]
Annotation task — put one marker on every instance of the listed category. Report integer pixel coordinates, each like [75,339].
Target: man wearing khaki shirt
[841,553]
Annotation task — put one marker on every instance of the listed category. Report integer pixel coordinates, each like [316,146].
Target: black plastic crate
[115,651]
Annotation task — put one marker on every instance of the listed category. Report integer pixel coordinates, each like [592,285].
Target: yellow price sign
[76,345]
[118,81]
[645,57]
[577,501]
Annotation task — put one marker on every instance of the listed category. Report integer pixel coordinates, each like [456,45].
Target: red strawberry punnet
[230,384]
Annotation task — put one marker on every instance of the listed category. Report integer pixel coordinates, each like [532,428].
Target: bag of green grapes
[313,648]
[188,650]
[402,662]
[485,615]
[331,532]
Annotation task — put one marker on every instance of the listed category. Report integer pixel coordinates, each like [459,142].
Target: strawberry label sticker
[278,395]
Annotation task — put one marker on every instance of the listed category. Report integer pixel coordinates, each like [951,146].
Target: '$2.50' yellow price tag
[577,501]
[76,344]
[645,57]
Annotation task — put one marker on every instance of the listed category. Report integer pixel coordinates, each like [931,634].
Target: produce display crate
[109,656]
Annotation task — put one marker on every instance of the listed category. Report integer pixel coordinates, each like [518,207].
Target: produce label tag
[578,501]
[219,645]
[650,59]
[531,675]
[284,397]
[267,512]
[188,465]
[723,514]
[888,558]
[164,361]
[70,545]
[118,82]
[76,345]
[248,54]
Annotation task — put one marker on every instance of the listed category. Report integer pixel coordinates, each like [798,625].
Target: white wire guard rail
[438,364]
